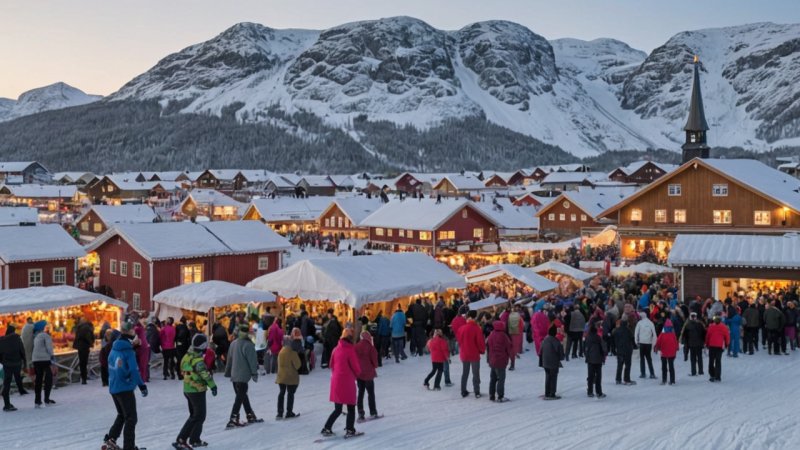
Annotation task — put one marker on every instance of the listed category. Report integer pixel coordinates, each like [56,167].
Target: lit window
[340,221]
[60,275]
[551,216]
[674,190]
[34,277]
[424,235]
[263,263]
[327,222]
[661,216]
[137,270]
[723,216]
[136,301]
[98,227]
[112,267]
[573,217]
[389,232]
[477,233]
[123,268]
[445,235]
[562,217]
[464,213]
[401,233]
[410,234]
[84,226]
[680,216]
[584,218]
[378,231]
[192,274]
[762,218]
[719,190]
[636,214]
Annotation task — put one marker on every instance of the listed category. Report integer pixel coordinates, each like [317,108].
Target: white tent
[207,295]
[563,269]
[527,276]
[606,237]
[487,303]
[519,247]
[51,297]
[643,267]
[359,280]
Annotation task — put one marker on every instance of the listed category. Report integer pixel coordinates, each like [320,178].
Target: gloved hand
[214,391]
[143,389]
[255,378]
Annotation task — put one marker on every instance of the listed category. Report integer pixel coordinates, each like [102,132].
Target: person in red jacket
[368,360]
[500,351]
[471,347]
[344,371]
[718,338]
[440,351]
[667,344]
[167,335]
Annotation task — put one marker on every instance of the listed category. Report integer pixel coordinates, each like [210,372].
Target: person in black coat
[84,341]
[552,355]
[694,338]
[330,338]
[183,337]
[623,342]
[12,355]
[419,314]
[595,352]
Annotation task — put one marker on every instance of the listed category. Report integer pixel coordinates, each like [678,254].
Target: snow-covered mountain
[583,96]
[47,98]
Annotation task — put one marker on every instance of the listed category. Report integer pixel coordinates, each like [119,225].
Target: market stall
[487,303]
[641,268]
[213,300]
[526,276]
[568,278]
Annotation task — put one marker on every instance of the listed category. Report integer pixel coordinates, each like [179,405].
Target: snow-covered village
[410,225]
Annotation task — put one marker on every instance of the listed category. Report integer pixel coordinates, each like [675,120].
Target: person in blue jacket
[644,301]
[734,322]
[384,335]
[398,325]
[123,378]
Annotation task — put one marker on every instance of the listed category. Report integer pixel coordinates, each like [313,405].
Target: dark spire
[697,116]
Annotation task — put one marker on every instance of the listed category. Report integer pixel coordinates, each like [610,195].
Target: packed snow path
[751,408]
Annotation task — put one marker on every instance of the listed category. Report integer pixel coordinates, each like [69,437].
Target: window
[661,216]
[719,190]
[477,233]
[98,227]
[573,217]
[34,277]
[123,268]
[583,218]
[137,270]
[327,222]
[340,220]
[410,234]
[680,216]
[378,231]
[762,218]
[562,217]
[192,274]
[136,301]
[401,233]
[464,213]
[84,226]
[674,190]
[112,268]
[636,214]
[723,216]
[551,216]
[123,297]
[389,232]
[263,263]
[444,235]
[60,275]
[424,235]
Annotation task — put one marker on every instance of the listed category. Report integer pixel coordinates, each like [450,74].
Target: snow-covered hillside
[47,98]
[586,97]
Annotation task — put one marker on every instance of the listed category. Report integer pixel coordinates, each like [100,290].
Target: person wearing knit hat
[42,357]
[288,377]
[368,360]
[667,344]
[241,367]
[123,378]
[196,381]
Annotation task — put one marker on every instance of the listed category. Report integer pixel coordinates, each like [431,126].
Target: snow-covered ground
[750,409]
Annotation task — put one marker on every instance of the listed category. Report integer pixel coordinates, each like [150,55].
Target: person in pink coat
[167,335]
[142,350]
[540,323]
[345,369]
[274,343]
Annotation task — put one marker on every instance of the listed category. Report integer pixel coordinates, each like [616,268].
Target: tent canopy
[210,294]
[519,247]
[606,237]
[487,303]
[527,276]
[51,297]
[643,267]
[563,269]
[359,280]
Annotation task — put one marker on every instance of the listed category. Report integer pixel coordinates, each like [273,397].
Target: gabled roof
[224,174]
[356,208]
[318,181]
[776,252]
[37,243]
[122,214]
[508,216]
[171,175]
[256,176]
[631,168]
[210,196]
[127,183]
[41,190]
[247,236]
[345,181]
[15,215]
[290,208]
[753,175]
[284,180]
[17,166]
[419,214]
[572,177]
[462,183]
[591,201]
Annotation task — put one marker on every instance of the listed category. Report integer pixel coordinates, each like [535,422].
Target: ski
[329,438]
[370,418]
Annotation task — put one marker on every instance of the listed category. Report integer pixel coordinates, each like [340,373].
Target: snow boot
[9,408]
[326,432]
[251,418]
[181,444]
[110,443]
[196,444]
[234,422]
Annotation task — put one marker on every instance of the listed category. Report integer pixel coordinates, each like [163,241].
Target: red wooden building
[41,255]
[640,172]
[140,260]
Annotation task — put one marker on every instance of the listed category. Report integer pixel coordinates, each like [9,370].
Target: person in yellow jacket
[196,381]
[288,378]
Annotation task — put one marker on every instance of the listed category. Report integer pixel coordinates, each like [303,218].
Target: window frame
[674,190]
[477,233]
[719,190]
[263,262]
[112,266]
[424,235]
[137,270]
[136,301]
[675,216]
[183,268]
[551,217]
[762,213]
[636,214]
[379,231]
[721,213]
[663,214]
[40,276]
[59,270]
[97,227]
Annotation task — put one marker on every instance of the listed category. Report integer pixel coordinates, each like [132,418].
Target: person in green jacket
[196,381]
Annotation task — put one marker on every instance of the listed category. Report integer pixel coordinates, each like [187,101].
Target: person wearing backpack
[123,379]
[196,381]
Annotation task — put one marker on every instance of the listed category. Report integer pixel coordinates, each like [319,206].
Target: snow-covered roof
[318,181]
[527,276]
[50,297]
[224,174]
[593,201]
[256,175]
[211,294]
[360,280]
[463,183]
[418,214]
[15,215]
[123,214]
[170,175]
[520,247]
[731,250]
[15,166]
[356,208]
[563,269]
[342,180]
[290,208]
[769,181]
[71,177]
[127,183]
[247,236]
[210,196]
[41,191]
[560,168]
[572,177]
[284,180]
[37,243]
[636,165]
[510,217]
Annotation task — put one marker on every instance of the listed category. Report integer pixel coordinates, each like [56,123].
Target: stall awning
[519,247]
[527,276]
[769,252]
[51,297]
[563,269]
[211,294]
[606,237]
[487,303]
[644,267]
[359,280]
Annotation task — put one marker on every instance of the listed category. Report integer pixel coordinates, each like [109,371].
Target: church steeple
[696,125]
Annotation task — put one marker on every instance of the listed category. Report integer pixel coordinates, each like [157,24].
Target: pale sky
[98,45]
